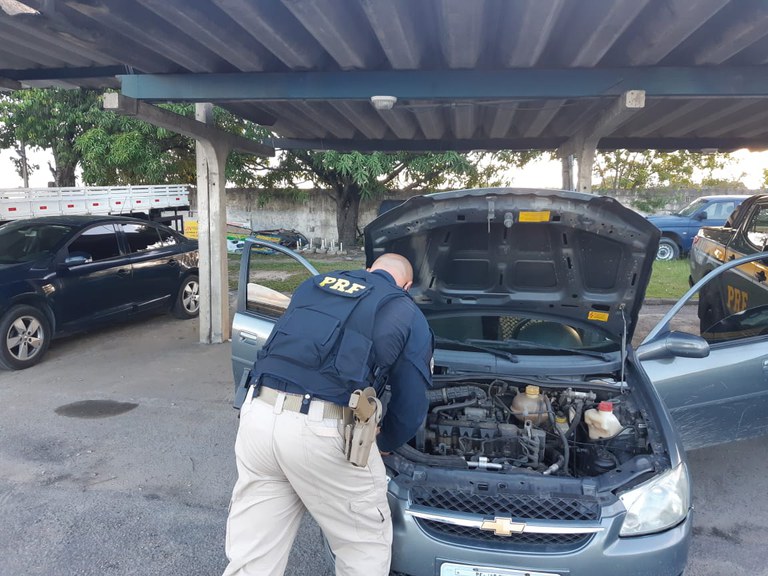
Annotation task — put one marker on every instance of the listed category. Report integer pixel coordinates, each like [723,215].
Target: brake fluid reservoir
[529,406]
[602,423]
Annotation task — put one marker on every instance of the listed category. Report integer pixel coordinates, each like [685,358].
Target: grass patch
[668,279]
[282,273]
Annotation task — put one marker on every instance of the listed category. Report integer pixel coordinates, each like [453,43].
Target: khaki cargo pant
[288,462]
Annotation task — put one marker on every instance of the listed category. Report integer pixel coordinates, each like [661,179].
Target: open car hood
[577,257]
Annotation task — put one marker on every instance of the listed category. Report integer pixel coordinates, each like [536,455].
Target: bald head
[398,266]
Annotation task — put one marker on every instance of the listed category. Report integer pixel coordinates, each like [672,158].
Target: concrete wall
[314,214]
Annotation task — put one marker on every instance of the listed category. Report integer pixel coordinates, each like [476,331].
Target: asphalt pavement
[116,457]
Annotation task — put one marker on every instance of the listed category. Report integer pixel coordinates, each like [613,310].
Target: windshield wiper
[468,346]
[536,346]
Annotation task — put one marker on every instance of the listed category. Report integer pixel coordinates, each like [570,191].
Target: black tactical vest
[323,344]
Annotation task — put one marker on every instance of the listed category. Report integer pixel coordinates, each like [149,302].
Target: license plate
[448,569]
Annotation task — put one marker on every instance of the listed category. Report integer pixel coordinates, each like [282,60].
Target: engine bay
[504,426]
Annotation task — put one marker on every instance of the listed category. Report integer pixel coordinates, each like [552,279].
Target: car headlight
[657,504]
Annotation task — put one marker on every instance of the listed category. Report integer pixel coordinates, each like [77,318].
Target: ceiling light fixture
[383,102]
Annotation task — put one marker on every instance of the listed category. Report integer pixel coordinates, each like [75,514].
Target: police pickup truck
[744,287]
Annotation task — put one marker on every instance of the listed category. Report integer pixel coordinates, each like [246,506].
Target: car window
[506,331]
[272,277]
[97,242]
[142,237]
[167,238]
[727,311]
[692,207]
[757,229]
[22,242]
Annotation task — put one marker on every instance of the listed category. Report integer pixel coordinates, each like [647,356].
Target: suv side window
[142,237]
[98,242]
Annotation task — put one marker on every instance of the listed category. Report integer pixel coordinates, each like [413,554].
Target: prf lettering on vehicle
[340,286]
[737,299]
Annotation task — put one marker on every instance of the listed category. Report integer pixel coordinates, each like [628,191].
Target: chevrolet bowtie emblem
[503,526]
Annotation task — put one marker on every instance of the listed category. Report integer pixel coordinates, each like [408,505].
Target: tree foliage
[113,150]
[625,170]
[51,119]
[349,177]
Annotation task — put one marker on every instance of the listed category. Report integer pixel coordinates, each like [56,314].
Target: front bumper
[419,551]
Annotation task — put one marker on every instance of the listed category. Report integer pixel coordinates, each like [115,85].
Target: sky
[537,174]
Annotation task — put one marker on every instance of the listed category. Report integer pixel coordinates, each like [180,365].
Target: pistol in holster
[361,421]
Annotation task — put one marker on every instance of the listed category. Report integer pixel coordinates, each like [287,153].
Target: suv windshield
[24,242]
[692,207]
[517,333]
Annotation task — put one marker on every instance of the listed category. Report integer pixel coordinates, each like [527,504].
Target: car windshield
[519,334]
[24,241]
[692,207]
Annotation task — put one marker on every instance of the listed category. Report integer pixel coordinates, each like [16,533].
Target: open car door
[258,305]
[723,395]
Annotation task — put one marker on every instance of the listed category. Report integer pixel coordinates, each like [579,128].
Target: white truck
[161,203]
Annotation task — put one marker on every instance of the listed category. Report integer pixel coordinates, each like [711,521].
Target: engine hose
[563,437]
[451,393]
[555,467]
[466,404]
[576,419]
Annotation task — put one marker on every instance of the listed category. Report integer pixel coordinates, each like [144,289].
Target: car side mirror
[700,216]
[77,259]
[673,344]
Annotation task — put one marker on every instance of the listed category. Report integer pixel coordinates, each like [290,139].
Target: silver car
[546,450]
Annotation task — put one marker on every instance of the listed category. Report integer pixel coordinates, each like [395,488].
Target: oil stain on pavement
[94,409]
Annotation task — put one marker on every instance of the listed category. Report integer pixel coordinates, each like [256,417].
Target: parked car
[746,232]
[679,229]
[533,297]
[63,274]
[282,236]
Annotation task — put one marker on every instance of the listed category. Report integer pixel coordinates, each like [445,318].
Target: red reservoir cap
[605,406]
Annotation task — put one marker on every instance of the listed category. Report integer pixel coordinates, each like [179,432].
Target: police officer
[342,331]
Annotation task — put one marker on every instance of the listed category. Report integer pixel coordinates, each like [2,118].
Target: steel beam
[723,144]
[516,84]
[182,125]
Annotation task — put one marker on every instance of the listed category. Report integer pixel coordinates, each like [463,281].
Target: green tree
[121,150]
[347,178]
[626,170]
[51,119]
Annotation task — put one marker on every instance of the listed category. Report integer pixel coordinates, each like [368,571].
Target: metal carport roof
[479,74]
[468,75]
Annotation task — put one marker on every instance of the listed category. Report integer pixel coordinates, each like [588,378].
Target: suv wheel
[668,250]
[25,335]
[187,304]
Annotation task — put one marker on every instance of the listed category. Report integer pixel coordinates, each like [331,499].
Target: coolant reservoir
[602,423]
[530,406]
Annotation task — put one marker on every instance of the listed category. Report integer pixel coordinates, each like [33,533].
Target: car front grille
[520,507]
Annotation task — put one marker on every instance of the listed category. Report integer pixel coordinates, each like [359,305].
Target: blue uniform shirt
[402,339]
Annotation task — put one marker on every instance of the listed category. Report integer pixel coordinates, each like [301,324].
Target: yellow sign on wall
[190,229]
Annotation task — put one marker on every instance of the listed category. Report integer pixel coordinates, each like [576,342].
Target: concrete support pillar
[583,144]
[213,147]
[586,160]
[567,166]
[215,324]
